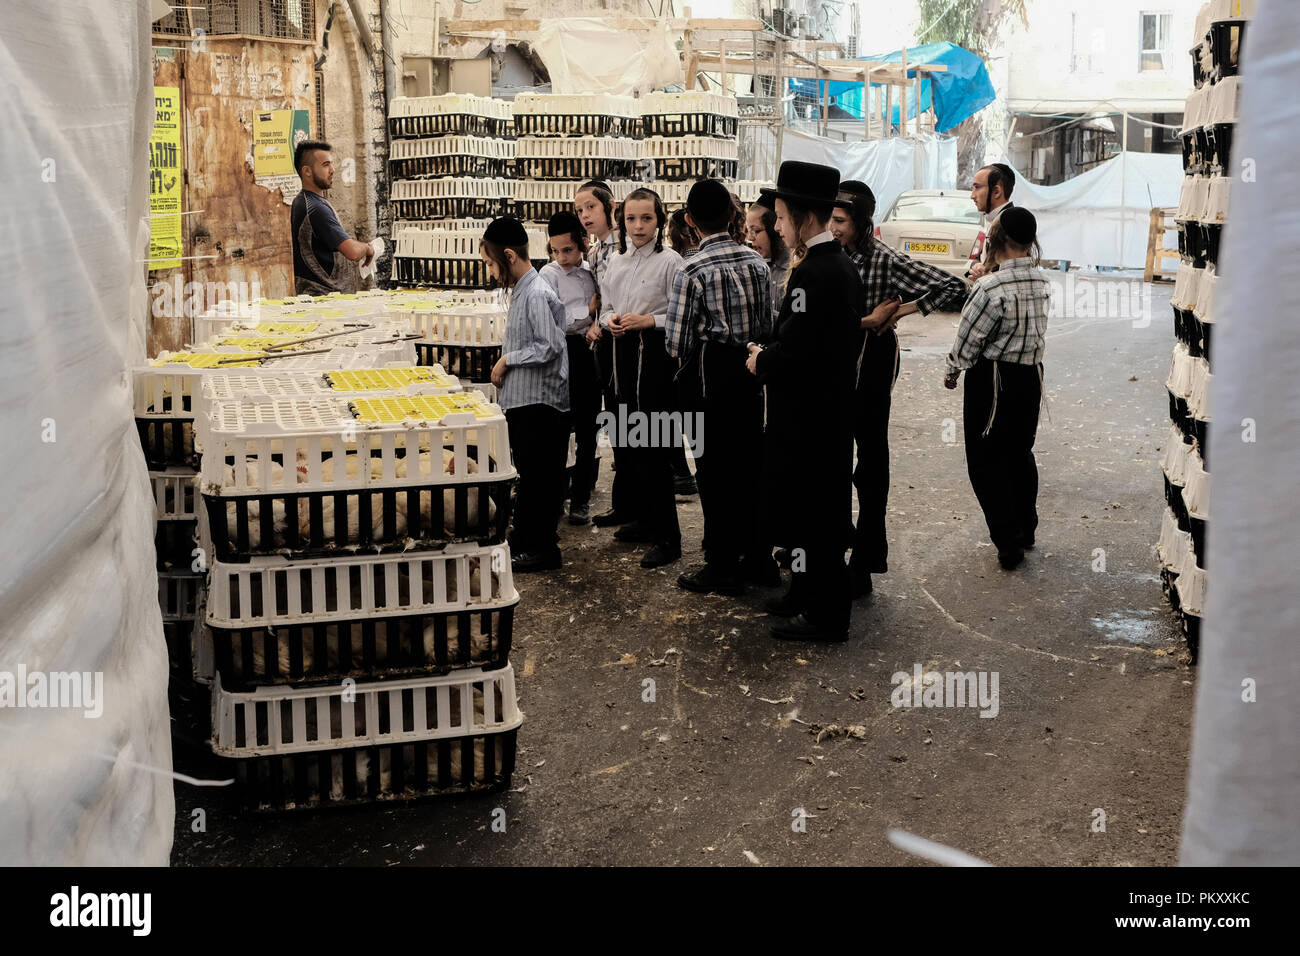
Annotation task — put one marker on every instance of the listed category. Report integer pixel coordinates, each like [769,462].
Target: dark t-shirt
[327,233]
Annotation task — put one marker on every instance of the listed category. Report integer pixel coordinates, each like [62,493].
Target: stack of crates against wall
[443,256]
[452,157]
[690,135]
[360,607]
[1209,122]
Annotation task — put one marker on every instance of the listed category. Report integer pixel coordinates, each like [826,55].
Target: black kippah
[506,231]
[596,183]
[708,201]
[1019,225]
[564,223]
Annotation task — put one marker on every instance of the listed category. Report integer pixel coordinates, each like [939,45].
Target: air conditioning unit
[851,47]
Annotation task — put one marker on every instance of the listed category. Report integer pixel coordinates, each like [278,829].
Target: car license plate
[927,248]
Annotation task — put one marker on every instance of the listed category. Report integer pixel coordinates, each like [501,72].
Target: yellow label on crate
[383,379]
[287,328]
[207,360]
[428,408]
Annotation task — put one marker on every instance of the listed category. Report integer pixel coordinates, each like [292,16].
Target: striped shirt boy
[536,356]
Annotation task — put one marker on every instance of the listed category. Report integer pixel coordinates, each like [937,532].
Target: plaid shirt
[887,273]
[722,294]
[1005,319]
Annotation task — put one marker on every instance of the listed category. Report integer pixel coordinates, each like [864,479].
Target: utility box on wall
[434,76]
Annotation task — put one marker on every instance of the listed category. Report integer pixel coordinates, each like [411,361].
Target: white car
[937,226]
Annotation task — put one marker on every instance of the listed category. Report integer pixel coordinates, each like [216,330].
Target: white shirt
[638,281]
[575,287]
[989,217]
[818,239]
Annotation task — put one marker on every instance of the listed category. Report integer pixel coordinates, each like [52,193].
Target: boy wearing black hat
[533,377]
[570,278]
[1000,343]
[721,301]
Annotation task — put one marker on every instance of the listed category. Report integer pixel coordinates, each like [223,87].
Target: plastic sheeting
[1242,803]
[589,56]
[961,92]
[78,591]
[889,166]
[1103,218]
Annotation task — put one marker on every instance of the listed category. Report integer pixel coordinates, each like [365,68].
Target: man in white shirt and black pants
[991,195]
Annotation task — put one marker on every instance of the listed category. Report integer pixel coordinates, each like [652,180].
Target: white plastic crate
[1179,381]
[1204,305]
[1192,199]
[1223,102]
[690,101]
[465,325]
[1197,494]
[273,720]
[441,243]
[1198,392]
[1187,286]
[314,432]
[175,494]
[1173,543]
[693,147]
[450,103]
[687,113]
[1216,201]
[577,147]
[178,594]
[1191,584]
[452,146]
[269,592]
[1174,461]
[534,104]
[1197,111]
[393,380]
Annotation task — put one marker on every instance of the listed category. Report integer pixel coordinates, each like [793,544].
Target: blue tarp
[962,91]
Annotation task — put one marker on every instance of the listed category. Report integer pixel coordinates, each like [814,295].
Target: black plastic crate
[383,647]
[450,207]
[1219,148]
[458,273]
[390,773]
[1226,38]
[577,124]
[574,167]
[445,124]
[167,441]
[457,164]
[539,210]
[473,362]
[677,168]
[690,124]
[1198,528]
[174,543]
[1174,498]
[237,535]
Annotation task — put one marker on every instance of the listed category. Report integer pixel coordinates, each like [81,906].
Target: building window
[277,19]
[1156,47]
[320,105]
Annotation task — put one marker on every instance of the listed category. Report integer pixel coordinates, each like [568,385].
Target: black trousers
[620,489]
[539,445]
[880,365]
[1001,464]
[644,382]
[728,456]
[584,406]
[822,589]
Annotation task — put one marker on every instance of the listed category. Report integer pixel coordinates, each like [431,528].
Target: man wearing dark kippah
[720,302]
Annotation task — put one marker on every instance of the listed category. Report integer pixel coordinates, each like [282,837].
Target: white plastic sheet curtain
[1243,801]
[588,56]
[78,589]
[1103,217]
[889,166]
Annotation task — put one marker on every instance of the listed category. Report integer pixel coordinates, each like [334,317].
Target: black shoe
[660,555]
[859,582]
[635,532]
[1011,559]
[579,514]
[706,580]
[783,558]
[761,573]
[685,486]
[1027,542]
[611,518]
[787,605]
[801,629]
[528,561]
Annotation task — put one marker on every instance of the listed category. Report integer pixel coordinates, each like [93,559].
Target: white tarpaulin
[889,166]
[78,589]
[1103,217]
[589,56]
[1243,791]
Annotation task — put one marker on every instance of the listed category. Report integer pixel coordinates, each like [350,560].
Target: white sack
[889,166]
[1103,217]
[78,590]
[588,56]
[1243,801]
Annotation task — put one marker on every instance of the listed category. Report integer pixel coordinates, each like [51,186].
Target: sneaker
[611,518]
[660,555]
[801,629]
[705,580]
[685,486]
[635,532]
[528,561]
[579,514]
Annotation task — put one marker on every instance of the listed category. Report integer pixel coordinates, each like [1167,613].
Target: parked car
[938,226]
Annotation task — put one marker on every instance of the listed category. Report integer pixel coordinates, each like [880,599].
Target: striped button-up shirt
[638,282]
[537,360]
[887,273]
[1005,319]
[723,294]
[574,287]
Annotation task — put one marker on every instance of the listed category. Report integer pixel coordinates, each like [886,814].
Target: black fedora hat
[810,184]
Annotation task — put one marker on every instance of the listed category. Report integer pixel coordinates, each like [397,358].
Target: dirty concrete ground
[1095,689]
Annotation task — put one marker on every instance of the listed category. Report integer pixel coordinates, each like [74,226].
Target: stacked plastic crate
[358,622]
[690,135]
[1209,121]
[452,157]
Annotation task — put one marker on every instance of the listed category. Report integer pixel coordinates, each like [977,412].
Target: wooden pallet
[1162,221]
